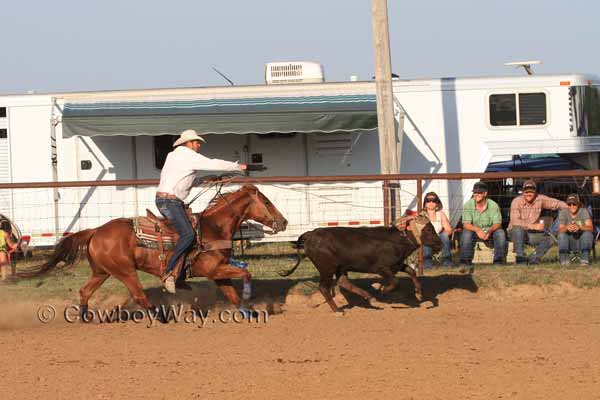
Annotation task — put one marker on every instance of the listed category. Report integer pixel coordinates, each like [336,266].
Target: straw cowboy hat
[188,136]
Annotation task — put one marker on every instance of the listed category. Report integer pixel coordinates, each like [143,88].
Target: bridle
[220,195]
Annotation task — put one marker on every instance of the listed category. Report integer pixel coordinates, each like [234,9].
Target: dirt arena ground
[523,342]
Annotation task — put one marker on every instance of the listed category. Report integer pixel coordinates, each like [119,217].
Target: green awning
[221,116]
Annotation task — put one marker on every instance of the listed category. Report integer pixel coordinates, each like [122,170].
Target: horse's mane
[217,202]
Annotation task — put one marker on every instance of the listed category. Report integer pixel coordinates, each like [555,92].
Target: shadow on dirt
[271,294]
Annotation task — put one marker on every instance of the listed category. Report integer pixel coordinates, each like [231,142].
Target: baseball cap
[573,198]
[529,186]
[480,187]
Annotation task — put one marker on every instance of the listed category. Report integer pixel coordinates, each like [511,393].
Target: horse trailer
[297,130]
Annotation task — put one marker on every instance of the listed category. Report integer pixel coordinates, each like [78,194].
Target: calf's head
[424,230]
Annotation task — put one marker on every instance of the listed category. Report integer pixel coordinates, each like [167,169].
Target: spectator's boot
[427,263]
[533,260]
[585,259]
[466,267]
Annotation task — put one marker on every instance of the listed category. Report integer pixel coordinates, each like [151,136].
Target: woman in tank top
[433,205]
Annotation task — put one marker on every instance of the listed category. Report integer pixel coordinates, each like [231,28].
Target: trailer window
[530,108]
[586,108]
[2,112]
[3,133]
[162,146]
[503,110]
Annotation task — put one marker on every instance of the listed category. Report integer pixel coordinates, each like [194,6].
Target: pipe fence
[46,211]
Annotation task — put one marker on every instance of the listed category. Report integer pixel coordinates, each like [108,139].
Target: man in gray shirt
[575,231]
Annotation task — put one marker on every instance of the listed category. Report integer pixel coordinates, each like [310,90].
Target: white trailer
[449,125]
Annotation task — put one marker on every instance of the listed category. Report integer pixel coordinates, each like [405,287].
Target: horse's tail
[299,245]
[67,250]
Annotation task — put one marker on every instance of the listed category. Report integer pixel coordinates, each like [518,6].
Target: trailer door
[4,163]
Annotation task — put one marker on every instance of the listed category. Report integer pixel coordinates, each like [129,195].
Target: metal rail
[320,179]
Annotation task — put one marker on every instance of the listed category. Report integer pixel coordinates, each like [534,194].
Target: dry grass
[265,260]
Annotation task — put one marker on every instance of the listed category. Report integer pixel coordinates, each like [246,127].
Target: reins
[219,185]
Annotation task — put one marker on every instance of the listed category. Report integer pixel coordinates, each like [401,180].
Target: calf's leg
[413,276]
[390,278]
[344,282]
[325,287]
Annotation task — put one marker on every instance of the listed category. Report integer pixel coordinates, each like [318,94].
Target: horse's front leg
[223,275]
[229,291]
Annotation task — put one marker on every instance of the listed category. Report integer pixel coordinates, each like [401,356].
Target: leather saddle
[151,230]
[157,233]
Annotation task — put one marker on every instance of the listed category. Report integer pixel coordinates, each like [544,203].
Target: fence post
[419,207]
[386,203]
[394,200]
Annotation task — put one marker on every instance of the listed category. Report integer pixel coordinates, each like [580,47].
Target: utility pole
[390,147]
[386,124]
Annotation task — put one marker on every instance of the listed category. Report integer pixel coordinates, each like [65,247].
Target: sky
[74,45]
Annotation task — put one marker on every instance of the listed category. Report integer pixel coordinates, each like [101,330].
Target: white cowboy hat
[188,136]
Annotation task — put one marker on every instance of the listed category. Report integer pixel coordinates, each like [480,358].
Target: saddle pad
[147,234]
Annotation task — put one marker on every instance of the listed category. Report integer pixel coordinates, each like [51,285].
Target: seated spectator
[482,221]
[6,244]
[525,224]
[575,229]
[433,205]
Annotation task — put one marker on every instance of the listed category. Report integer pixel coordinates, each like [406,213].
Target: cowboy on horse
[178,176]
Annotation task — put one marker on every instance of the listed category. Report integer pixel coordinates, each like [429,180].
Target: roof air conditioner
[277,73]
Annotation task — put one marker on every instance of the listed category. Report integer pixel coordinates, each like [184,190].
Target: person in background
[433,205]
[482,221]
[525,224]
[6,243]
[575,229]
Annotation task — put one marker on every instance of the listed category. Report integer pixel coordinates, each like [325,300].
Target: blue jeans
[446,256]
[172,209]
[467,246]
[581,243]
[541,241]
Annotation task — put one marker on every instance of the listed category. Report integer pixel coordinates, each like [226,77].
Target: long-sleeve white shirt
[180,169]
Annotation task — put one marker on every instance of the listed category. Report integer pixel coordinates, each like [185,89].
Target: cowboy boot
[169,282]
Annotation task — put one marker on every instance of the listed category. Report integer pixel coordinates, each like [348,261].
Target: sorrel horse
[112,248]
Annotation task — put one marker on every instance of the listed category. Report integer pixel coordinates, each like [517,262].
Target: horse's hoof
[160,314]
[419,296]
[339,313]
[84,315]
[247,313]
[247,291]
